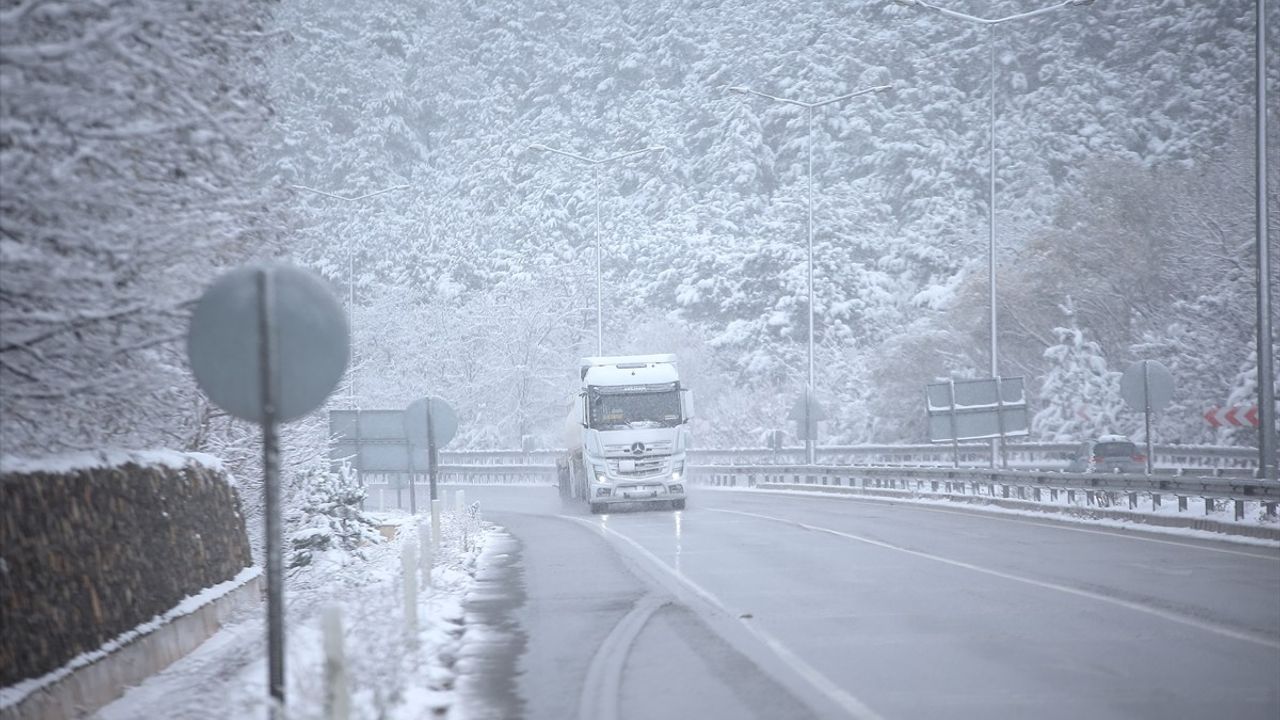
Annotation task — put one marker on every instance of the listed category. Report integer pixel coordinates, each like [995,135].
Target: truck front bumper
[652,490]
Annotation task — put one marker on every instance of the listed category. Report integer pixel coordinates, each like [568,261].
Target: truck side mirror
[581,402]
[686,398]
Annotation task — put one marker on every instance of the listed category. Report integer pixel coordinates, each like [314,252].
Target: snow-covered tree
[1080,397]
[329,520]
[128,139]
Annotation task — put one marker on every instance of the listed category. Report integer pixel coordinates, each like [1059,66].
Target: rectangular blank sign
[975,393]
[367,424]
[977,413]
[977,425]
[381,457]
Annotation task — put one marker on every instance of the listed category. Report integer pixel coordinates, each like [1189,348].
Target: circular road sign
[444,422]
[310,338]
[1159,381]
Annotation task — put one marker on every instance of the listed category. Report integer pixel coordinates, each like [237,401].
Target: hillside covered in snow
[1123,206]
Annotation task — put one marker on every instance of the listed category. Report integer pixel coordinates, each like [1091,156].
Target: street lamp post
[991,24]
[1266,373]
[351,276]
[595,183]
[809,441]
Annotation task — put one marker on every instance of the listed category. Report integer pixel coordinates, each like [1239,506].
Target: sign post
[271,490]
[807,412]
[429,423]
[431,480]
[955,433]
[1147,386]
[268,343]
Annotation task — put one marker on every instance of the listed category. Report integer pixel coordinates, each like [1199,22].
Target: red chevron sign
[1235,416]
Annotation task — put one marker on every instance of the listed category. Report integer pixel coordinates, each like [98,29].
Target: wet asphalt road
[776,606]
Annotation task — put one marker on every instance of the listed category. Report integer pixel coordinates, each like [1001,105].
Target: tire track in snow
[602,687]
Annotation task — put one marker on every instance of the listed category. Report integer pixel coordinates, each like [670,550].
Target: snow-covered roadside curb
[152,645]
[390,672]
[1048,514]
[428,667]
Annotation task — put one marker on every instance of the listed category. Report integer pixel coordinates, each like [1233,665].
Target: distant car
[1108,454]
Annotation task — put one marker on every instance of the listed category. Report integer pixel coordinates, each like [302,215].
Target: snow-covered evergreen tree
[1080,397]
[329,520]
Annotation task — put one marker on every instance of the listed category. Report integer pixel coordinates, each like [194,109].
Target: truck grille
[657,447]
[644,467]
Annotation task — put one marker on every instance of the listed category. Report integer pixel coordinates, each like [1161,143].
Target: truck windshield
[616,410]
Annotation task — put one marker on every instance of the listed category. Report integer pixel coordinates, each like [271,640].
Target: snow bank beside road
[391,673]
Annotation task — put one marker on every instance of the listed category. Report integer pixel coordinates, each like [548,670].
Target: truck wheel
[677,504]
[596,508]
[579,480]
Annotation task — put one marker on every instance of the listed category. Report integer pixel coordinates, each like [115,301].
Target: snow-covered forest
[147,145]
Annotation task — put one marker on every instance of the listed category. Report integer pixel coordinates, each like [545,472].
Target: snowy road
[778,606]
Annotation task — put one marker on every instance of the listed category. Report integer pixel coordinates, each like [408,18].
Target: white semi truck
[627,433]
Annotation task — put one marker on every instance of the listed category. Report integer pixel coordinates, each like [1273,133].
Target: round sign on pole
[1158,381]
[444,422]
[311,341]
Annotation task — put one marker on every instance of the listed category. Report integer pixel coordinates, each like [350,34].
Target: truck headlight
[677,471]
[601,475]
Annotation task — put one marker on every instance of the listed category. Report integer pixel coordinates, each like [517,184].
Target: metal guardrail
[384,491]
[499,457]
[490,473]
[1234,461]
[1103,490]
[961,480]
[1031,455]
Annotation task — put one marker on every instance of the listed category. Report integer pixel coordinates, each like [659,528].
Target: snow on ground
[392,673]
[17,693]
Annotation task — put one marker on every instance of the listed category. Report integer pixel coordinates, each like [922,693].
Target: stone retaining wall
[83,687]
[93,546]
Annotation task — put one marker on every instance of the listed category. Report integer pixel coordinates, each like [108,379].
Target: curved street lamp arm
[633,153]
[864,91]
[589,161]
[350,199]
[581,158]
[749,91]
[992,21]
[809,105]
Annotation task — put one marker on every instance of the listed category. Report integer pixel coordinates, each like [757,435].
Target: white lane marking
[1050,523]
[816,680]
[602,686]
[1157,612]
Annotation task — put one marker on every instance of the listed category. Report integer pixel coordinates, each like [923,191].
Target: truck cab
[632,431]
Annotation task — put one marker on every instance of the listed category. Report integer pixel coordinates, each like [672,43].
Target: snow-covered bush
[332,523]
